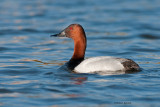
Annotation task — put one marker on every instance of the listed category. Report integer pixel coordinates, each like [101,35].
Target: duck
[79,64]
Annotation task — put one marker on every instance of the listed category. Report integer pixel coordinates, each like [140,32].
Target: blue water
[29,58]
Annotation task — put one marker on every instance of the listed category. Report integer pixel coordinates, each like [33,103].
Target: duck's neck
[79,49]
[79,53]
[80,43]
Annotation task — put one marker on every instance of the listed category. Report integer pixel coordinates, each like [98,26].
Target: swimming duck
[79,64]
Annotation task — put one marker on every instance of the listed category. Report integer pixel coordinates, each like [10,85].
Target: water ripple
[25,30]
[29,58]
[150,36]
[20,72]
[5,91]
[3,48]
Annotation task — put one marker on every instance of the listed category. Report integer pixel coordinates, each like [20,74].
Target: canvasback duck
[95,64]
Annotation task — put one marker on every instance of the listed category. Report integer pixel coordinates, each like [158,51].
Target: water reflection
[79,80]
[29,58]
[11,95]
[20,82]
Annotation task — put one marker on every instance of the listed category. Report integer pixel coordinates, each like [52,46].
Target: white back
[102,63]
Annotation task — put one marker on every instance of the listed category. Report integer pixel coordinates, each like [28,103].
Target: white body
[102,64]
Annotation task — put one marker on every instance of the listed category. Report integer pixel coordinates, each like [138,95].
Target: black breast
[73,63]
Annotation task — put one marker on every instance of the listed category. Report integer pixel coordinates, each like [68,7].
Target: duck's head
[72,31]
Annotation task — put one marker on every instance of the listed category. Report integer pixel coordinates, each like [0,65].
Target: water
[29,58]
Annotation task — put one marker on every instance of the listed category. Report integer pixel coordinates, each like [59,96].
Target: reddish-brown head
[73,31]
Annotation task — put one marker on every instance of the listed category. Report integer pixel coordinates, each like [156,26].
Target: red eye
[70,28]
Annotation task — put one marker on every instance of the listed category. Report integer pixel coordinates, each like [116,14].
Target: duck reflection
[79,80]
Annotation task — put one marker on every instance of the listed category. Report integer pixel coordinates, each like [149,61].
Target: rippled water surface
[29,58]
